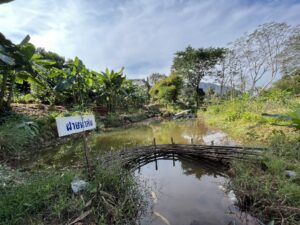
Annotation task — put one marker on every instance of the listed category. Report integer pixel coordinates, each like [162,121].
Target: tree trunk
[3,90]
[11,89]
[221,88]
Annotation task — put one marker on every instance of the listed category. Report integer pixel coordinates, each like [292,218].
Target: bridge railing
[219,153]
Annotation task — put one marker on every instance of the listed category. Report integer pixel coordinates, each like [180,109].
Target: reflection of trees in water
[117,140]
[181,131]
[199,168]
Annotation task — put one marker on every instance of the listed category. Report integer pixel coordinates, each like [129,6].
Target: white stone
[78,185]
[290,173]
[232,196]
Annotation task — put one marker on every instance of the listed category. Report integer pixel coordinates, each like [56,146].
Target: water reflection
[182,132]
[188,193]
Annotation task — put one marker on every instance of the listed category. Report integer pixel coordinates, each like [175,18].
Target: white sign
[74,124]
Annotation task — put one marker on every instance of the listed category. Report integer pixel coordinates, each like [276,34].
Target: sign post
[77,124]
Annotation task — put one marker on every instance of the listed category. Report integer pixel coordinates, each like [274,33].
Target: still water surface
[188,193]
[120,138]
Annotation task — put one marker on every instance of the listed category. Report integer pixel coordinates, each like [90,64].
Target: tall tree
[229,73]
[260,52]
[291,54]
[193,64]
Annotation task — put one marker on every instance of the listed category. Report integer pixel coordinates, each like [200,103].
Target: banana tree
[110,82]
[13,58]
[76,78]
[19,63]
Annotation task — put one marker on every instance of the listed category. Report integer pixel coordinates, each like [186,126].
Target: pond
[181,191]
[182,132]
[187,192]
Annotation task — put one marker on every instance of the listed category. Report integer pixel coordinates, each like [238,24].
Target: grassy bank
[264,189]
[46,197]
[30,128]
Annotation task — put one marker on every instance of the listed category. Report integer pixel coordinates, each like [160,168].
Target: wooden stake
[85,147]
[173,159]
[172,141]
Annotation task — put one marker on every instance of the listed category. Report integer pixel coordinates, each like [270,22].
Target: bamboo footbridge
[142,155]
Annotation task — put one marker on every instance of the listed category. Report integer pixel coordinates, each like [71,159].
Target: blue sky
[141,35]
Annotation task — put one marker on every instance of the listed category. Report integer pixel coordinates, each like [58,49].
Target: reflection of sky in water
[188,199]
[218,138]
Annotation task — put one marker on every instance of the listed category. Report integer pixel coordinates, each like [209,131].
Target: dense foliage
[289,83]
[40,76]
[193,64]
[167,89]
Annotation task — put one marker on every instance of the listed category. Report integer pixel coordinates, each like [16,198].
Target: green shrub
[276,166]
[232,116]
[28,98]
[16,132]
[251,117]
[167,90]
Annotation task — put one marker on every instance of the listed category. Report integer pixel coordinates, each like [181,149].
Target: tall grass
[45,198]
[263,188]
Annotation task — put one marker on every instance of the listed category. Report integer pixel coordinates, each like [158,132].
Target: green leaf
[76,61]
[25,40]
[21,77]
[7,60]
[45,62]
[78,64]
[65,84]
[27,50]
[89,82]
[35,80]
[54,72]
[36,56]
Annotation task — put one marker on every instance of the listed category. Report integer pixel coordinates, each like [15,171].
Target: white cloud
[141,35]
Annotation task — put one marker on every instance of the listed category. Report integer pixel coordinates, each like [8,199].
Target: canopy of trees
[49,78]
[167,89]
[254,61]
[250,64]
[193,64]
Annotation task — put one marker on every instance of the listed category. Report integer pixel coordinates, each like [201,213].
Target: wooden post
[173,159]
[85,147]
[139,165]
[172,141]
[154,143]
[192,141]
